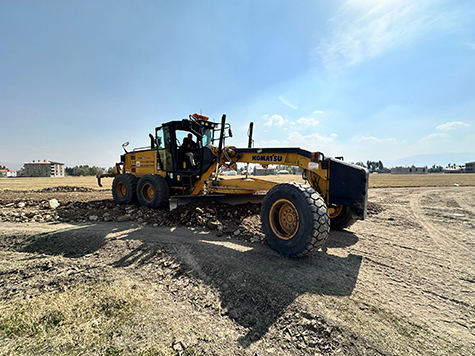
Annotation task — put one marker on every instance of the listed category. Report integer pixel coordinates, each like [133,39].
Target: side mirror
[124,145]
[230,132]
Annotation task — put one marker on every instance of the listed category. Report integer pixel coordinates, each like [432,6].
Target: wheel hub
[121,190]
[149,192]
[284,219]
[335,210]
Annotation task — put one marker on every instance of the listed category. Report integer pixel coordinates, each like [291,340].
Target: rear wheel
[295,219]
[124,189]
[341,217]
[153,192]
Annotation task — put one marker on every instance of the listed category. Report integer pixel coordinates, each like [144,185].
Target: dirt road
[401,282]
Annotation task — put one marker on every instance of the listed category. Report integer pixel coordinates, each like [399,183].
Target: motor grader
[296,217]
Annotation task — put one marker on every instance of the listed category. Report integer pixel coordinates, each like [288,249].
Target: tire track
[466,202]
[443,238]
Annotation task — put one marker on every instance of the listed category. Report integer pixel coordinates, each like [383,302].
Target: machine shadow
[74,242]
[256,285]
[341,239]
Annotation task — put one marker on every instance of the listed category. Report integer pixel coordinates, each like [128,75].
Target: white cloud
[375,139]
[309,122]
[275,120]
[318,112]
[435,136]
[452,126]
[363,30]
[291,99]
[470,45]
[271,143]
[308,140]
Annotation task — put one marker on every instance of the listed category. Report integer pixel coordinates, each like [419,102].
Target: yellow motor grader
[296,217]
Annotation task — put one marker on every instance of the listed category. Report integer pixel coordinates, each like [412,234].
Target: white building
[409,170]
[260,171]
[44,169]
[470,167]
[7,173]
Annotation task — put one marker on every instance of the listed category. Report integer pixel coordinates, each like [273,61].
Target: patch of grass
[91,319]
[114,352]
[403,327]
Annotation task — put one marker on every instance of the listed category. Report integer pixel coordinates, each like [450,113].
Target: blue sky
[367,80]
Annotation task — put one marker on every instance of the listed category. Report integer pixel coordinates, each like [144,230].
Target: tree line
[373,166]
[85,170]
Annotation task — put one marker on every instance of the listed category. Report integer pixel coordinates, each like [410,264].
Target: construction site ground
[80,275]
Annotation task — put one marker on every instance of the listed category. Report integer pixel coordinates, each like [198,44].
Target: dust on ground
[401,282]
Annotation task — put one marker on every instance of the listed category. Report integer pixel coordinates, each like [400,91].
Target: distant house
[470,167]
[409,170]
[44,169]
[453,169]
[259,171]
[7,173]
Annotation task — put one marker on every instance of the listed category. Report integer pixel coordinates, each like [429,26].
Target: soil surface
[400,282]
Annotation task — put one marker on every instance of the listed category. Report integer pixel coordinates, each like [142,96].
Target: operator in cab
[188,147]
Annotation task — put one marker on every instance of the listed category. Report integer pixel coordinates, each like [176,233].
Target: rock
[237,232]
[21,204]
[219,233]
[93,217]
[53,204]
[122,218]
[213,225]
[178,346]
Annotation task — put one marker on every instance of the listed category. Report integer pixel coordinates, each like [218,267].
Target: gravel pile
[64,189]
[234,221]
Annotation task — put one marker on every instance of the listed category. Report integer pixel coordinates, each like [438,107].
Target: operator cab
[172,153]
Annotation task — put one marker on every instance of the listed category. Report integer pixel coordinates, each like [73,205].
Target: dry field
[375,181]
[31,183]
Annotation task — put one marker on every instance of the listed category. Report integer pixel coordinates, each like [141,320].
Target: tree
[84,170]
[374,166]
[435,169]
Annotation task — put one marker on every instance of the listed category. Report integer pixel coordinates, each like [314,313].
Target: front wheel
[153,192]
[295,219]
[341,217]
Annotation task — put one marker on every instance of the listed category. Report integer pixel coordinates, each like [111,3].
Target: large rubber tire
[295,219]
[341,218]
[153,191]
[124,189]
